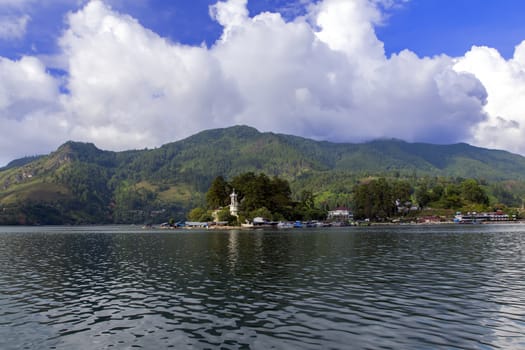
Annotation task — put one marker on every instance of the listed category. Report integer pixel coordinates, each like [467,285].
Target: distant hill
[238,149]
[79,183]
[20,162]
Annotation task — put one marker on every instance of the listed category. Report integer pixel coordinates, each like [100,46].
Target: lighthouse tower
[234,204]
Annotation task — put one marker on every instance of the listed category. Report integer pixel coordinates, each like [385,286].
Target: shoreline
[225,228]
[444,223]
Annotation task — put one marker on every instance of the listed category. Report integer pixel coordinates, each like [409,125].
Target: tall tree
[472,192]
[423,196]
[259,191]
[218,194]
[374,200]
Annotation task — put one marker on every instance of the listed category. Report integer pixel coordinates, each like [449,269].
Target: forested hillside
[79,183]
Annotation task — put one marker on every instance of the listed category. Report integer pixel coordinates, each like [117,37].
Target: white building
[234,204]
[340,214]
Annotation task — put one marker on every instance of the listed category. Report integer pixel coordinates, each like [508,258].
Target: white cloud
[348,26]
[29,109]
[130,88]
[230,14]
[13,27]
[323,75]
[336,83]
[505,84]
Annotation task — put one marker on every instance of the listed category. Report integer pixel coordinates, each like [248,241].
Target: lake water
[404,287]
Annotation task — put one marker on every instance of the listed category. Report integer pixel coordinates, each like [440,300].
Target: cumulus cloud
[131,88]
[29,108]
[13,27]
[230,14]
[505,84]
[323,75]
[333,81]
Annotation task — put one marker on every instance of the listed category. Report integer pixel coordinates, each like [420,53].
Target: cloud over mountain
[324,75]
[504,81]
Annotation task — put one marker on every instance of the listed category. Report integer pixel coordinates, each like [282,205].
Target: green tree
[505,195]
[307,199]
[225,216]
[472,192]
[401,190]
[253,190]
[199,215]
[260,191]
[451,198]
[218,194]
[437,192]
[374,200]
[280,197]
[423,196]
[261,212]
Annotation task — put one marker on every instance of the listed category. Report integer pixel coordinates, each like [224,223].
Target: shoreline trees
[259,196]
[377,199]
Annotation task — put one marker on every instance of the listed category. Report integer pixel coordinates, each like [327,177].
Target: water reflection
[373,288]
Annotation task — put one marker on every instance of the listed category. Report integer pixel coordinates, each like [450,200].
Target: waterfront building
[340,214]
[234,204]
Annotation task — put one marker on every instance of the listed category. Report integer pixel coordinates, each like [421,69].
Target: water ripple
[376,288]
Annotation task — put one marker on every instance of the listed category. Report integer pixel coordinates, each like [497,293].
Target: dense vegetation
[259,196]
[378,199]
[79,183]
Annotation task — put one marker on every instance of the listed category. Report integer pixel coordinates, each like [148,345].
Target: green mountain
[79,183]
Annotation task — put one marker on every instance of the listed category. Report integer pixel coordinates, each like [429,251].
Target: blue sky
[439,71]
[427,27]
[433,27]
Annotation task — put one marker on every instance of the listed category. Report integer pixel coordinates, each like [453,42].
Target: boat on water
[260,222]
[284,224]
[465,219]
[479,218]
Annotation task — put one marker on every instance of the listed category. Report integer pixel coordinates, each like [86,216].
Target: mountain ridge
[86,183]
[384,147]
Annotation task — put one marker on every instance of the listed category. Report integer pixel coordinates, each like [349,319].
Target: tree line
[381,198]
[259,196]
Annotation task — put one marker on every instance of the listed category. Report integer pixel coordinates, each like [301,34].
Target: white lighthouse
[234,204]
